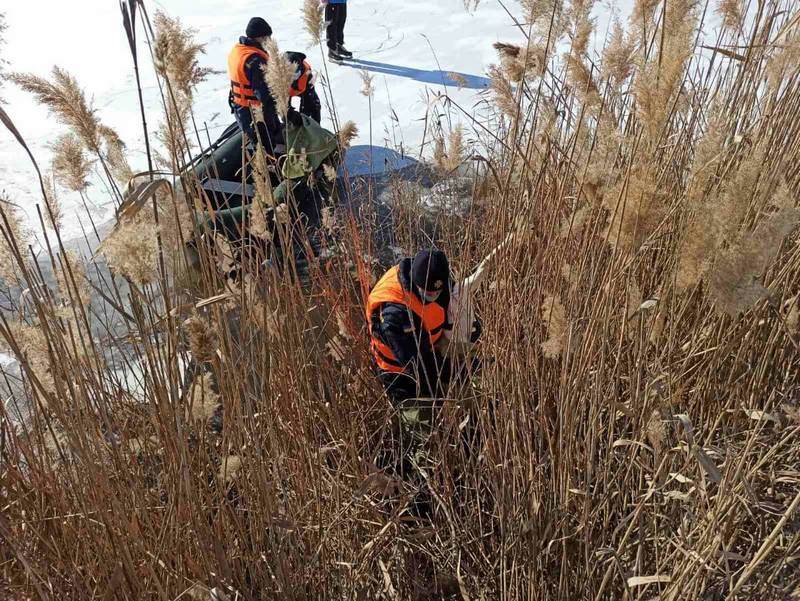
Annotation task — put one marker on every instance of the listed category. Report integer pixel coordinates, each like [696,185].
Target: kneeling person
[406,314]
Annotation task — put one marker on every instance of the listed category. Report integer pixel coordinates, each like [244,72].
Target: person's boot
[344,52]
[334,55]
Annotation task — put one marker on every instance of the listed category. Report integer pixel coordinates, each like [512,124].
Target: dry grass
[632,433]
[347,133]
[279,73]
[71,167]
[313,20]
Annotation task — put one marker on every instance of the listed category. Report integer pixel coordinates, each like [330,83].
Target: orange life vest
[300,84]
[241,87]
[390,290]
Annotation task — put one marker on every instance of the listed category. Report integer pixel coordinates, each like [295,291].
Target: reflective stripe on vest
[241,88]
[300,84]
[390,290]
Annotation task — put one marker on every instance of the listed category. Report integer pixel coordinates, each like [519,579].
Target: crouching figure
[406,316]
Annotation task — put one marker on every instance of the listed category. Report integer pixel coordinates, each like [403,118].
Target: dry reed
[347,133]
[279,73]
[631,432]
[313,20]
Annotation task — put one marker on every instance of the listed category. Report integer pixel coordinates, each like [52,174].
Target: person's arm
[254,72]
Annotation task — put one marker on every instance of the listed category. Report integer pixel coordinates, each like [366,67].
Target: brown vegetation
[632,433]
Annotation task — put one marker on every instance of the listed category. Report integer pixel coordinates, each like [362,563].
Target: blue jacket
[337,1]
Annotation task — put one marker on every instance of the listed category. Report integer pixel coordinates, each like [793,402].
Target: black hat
[430,270]
[258,28]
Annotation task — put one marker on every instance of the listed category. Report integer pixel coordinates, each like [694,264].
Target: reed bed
[632,433]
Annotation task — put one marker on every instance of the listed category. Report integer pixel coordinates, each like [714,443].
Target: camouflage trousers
[416,424]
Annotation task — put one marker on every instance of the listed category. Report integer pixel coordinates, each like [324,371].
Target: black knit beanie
[258,28]
[430,270]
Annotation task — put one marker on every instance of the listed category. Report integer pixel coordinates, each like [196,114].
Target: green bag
[307,147]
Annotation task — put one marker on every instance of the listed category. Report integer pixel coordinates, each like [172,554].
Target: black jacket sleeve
[254,72]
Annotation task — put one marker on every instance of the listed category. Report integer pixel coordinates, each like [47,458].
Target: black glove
[293,117]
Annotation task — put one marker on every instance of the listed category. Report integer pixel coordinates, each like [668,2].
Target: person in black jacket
[407,314]
[249,90]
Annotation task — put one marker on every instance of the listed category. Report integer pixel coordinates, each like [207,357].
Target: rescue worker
[303,86]
[406,314]
[249,91]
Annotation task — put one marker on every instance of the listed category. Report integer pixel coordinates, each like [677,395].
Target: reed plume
[12,231]
[203,401]
[53,214]
[731,13]
[503,91]
[203,339]
[458,79]
[279,74]
[736,282]
[29,344]
[439,153]
[258,220]
[617,63]
[554,317]
[71,166]
[132,250]
[448,158]
[65,99]
[177,55]
[312,20]
[347,133]
[116,155]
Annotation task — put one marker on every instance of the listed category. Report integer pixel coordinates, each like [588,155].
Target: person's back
[249,94]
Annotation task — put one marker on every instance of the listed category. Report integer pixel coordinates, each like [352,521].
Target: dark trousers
[335,16]
[257,132]
[399,387]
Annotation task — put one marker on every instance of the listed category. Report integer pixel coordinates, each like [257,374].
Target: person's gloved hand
[293,117]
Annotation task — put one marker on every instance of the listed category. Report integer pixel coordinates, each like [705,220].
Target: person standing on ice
[249,93]
[335,17]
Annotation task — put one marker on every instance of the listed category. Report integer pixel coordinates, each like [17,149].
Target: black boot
[344,52]
[334,55]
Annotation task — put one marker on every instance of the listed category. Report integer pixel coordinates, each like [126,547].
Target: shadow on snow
[435,77]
